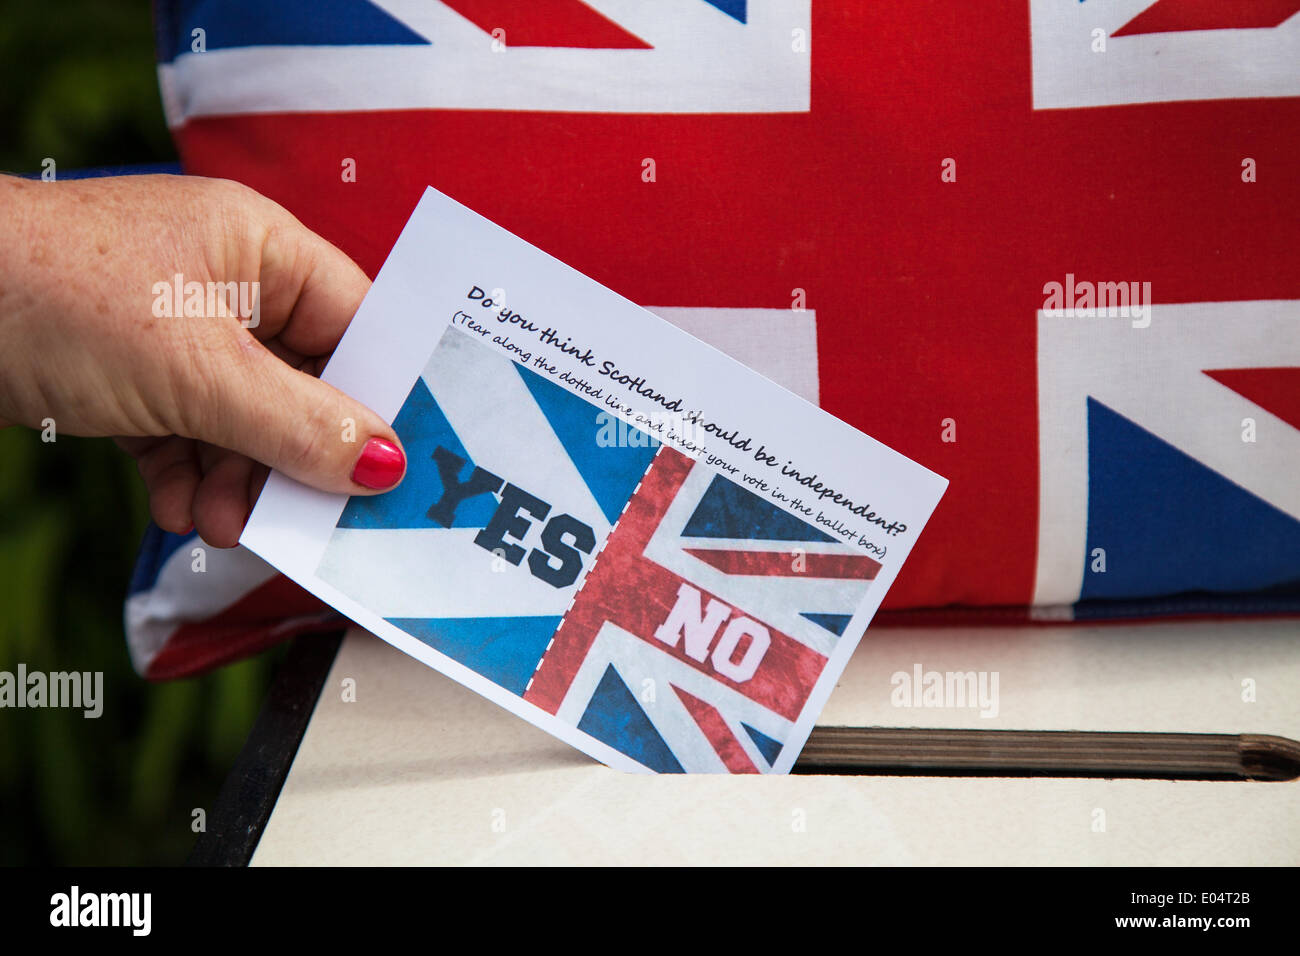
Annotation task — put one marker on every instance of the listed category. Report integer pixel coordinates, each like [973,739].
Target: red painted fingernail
[380,466]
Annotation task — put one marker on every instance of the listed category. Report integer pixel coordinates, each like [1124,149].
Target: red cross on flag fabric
[1045,248]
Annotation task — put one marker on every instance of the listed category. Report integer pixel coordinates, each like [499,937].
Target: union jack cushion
[1046,248]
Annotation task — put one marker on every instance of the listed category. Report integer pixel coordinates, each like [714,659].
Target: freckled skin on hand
[89,338]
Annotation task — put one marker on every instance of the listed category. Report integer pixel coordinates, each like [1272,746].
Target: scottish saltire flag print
[573,561]
[798,151]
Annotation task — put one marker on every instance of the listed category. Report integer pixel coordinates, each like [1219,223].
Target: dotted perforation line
[595,558]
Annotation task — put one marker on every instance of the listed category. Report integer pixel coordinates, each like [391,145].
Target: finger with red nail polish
[381,465]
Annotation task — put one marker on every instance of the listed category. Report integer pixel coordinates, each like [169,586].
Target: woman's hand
[203,403]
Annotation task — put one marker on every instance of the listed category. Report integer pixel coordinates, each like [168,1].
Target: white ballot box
[400,765]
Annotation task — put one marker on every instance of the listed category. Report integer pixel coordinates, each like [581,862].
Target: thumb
[302,427]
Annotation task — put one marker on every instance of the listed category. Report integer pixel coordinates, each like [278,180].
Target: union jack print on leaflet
[707,591]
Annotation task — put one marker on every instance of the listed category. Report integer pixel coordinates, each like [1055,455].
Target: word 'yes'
[564,539]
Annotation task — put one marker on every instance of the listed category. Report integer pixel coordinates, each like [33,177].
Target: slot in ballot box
[400,765]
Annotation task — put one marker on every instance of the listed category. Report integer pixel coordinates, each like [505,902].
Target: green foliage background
[78,84]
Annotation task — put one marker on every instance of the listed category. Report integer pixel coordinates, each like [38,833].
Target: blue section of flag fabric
[1169,524]
[156,547]
[241,23]
[97,172]
[505,650]
[732,8]
[614,717]
[1282,600]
